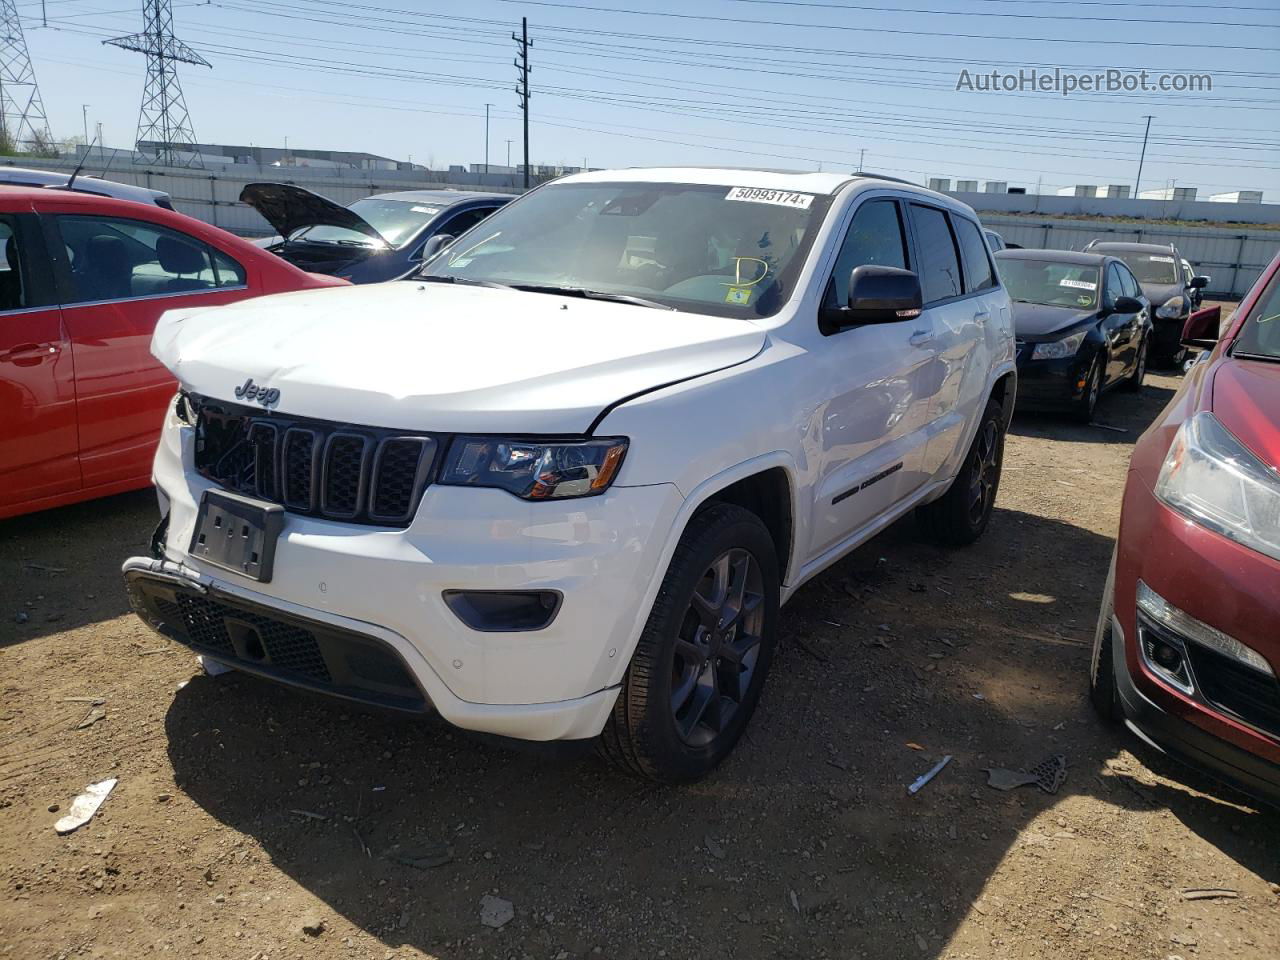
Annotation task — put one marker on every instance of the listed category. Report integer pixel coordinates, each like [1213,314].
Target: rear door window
[978,274]
[939,266]
[13,292]
[113,258]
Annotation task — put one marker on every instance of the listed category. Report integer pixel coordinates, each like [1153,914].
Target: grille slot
[313,467]
[398,471]
[346,462]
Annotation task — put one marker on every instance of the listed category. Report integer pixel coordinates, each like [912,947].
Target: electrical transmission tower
[163,123]
[21,109]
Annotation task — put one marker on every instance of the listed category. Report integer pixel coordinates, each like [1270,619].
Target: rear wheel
[701,662]
[960,515]
[1134,381]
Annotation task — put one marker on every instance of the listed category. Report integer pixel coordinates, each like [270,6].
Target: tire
[1102,677]
[1133,383]
[1087,405]
[960,515]
[679,711]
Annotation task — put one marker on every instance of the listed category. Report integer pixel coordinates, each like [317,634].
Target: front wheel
[1134,382]
[1087,405]
[702,659]
[960,515]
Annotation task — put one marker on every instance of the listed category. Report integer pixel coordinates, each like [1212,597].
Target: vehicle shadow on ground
[45,584]
[804,842]
[1120,417]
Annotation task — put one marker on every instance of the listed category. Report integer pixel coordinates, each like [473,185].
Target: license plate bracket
[237,533]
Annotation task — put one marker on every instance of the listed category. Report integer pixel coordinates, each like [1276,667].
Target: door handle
[29,354]
[981,317]
[921,338]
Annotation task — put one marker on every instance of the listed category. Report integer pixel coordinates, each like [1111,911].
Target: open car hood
[288,209]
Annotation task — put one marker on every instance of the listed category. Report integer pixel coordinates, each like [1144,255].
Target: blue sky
[784,83]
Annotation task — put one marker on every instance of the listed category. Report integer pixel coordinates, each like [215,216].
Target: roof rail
[884,176]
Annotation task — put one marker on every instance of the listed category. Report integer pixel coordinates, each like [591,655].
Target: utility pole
[522,87]
[1143,156]
[508,153]
[84,117]
[861,153]
[486,136]
[22,115]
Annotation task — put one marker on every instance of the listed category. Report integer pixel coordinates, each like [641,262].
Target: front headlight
[1209,476]
[1172,308]
[1060,349]
[534,470]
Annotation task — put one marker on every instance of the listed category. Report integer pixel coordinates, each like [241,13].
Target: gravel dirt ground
[257,824]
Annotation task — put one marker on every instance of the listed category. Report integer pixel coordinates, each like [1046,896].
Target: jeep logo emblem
[267,396]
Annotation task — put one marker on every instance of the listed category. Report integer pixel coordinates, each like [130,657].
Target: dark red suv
[1188,642]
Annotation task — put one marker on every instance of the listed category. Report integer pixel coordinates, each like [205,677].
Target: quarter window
[978,274]
[118,259]
[939,266]
[13,294]
[875,236]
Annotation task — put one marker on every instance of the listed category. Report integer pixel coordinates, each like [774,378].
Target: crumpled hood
[417,356]
[288,208]
[1246,398]
[1041,321]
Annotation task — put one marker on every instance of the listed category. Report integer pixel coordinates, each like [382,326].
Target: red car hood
[1246,398]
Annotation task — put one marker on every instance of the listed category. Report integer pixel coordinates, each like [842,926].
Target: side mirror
[878,295]
[1127,305]
[434,245]
[1201,328]
[1199,283]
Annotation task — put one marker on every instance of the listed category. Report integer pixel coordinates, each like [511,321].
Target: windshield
[1150,267]
[398,221]
[1260,334]
[729,251]
[1054,284]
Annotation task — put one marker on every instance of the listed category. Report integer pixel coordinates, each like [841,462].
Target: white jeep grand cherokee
[556,486]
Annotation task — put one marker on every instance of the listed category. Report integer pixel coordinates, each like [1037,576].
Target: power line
[868,8]
[708,18]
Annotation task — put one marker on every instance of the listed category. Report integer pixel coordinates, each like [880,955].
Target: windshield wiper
[590,295]
[1265,357]
[467,281]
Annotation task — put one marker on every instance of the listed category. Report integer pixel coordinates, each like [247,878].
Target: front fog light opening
[1177,623]
[1166,657]
[504,611]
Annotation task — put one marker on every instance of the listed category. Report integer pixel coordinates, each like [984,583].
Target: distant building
[1115,191]
[279,156]
[966,186]
[1169,193]
[996,186]
[1238,196]
[941,184]
[1079,190]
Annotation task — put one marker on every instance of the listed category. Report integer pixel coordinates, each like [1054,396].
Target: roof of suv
[1126,247]
[1057,256]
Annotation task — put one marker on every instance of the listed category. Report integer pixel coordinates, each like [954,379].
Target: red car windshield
[1260,336]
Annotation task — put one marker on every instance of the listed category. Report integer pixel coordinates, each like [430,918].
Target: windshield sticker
[1078,284]
[1158,259]
[430,211]
[738,295]
[783,198]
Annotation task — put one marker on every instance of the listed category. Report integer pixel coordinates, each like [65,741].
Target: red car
[1187,649]
[83,280]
